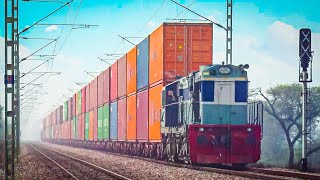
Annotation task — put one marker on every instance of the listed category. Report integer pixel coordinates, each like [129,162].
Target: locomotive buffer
[305,77]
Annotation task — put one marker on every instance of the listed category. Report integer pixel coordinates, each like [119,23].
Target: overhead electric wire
[184,10]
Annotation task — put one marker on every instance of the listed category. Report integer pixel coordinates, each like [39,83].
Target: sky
[265,36]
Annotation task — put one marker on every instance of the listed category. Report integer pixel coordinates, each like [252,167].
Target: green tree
[283,103]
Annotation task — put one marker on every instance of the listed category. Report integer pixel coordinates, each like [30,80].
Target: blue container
[114,121]
[143,64]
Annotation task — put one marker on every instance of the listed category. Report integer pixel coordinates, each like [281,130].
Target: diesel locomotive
[206,118]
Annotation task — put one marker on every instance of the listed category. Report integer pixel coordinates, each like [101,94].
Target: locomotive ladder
[11,98]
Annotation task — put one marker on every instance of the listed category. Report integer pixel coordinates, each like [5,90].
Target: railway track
[77,168]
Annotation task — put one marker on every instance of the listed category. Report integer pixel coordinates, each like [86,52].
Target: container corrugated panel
[122,76]
[143,64]
[132,118]
[65,111]
[53,117]
[87,98]
[186,46]
[142,115]
[57,115]
[100,122]
[100,89]
[82,126]
[79,131]
[83,100]
[114,121]
[105,122]
[60,118]
[95,93]
[106,86]
[154,113]
[132,71]
[91,125]
[122,119]
[86,121]
[114,81]
[68,130]
[79,103]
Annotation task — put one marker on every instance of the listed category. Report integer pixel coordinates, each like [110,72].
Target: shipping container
[100,123]
[82,126]
[94,94]
[72,123]
[70,109]
[114,121]
[122,119]
[53,117]
[106,86]
[122,76]
[95,124]
[142,115]
[74,107]
[185,46]
[143,64]
[65,111]
[100,89]
[57,115]
[154,113]
[132,71]
[132,118]
[75,127]
[83,100]
[79,102]
[60,115]
[79,131]
[88,98]
[87,121]
[114,81]
[105,122]
[91,125]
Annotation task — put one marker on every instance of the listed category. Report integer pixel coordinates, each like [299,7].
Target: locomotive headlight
[201,129]
[224,70]
[249,130]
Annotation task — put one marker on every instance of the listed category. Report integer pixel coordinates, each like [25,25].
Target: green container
[65,111]
[100,123]
[75,128]
[105,121]
[87,126]
[79,102]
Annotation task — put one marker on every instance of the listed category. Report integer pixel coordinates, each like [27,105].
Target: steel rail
[74,177]
[113,174]
[300,175]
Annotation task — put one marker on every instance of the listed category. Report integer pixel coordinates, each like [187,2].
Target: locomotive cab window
[207,91]
[241,91]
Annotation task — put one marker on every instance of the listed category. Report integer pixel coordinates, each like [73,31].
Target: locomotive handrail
[255,114]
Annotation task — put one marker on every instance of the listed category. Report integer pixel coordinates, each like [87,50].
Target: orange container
[132,71]
[154,113]
[177,49]
[91,125]
[132,118]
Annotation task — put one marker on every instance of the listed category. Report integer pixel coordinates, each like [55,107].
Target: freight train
[156,102]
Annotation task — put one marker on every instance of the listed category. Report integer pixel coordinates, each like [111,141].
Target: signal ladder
[308,127]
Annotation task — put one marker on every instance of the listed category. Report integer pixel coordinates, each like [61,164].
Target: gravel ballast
[135,168]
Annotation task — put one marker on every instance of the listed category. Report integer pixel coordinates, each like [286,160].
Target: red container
[68,130]
[95,124]
[122,76]
[94,93]
[106,86]
[132,71]
[83,100]
[122,119]
[132,117]
[177,49]
[71,127]
[87,98]
[142,115]
[100,89]
[114,81]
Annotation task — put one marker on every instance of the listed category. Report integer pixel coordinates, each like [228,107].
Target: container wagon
[144,104]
